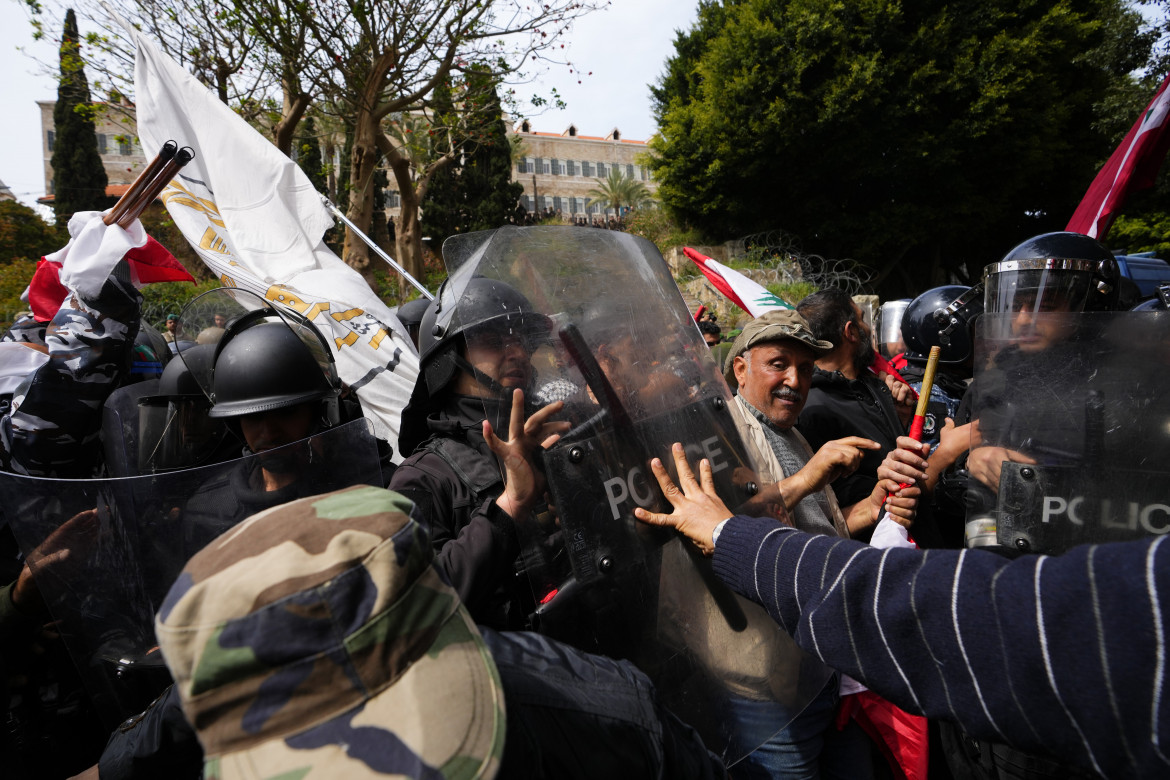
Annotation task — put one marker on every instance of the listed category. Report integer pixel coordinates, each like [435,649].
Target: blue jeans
[808,748]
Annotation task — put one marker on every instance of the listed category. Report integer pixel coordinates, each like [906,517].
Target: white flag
[256,221]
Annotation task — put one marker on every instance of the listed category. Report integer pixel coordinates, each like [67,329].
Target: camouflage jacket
[54,427]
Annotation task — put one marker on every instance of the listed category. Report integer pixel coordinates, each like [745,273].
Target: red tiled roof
[112,191]
[586,137]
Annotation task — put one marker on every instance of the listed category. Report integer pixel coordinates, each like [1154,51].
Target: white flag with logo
[256,221]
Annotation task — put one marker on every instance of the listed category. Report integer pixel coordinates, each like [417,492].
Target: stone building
[559,169]
[117,141]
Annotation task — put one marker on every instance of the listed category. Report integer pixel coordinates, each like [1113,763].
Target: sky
[624,47]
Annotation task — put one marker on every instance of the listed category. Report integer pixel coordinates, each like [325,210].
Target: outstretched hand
[73,539]
[523,483]
[697,508]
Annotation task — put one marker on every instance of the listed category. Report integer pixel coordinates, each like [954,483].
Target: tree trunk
[362,163]
[285,130]
[408,237]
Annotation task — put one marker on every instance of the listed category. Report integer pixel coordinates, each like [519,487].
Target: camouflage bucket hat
[316,640]
[774,325]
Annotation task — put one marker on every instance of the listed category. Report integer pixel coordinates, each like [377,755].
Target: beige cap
[774,325]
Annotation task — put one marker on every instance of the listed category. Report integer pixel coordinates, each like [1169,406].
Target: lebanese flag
[93,250]
[1133,166]
[740,290]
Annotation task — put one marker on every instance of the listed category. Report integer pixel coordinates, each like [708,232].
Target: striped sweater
[1064,655]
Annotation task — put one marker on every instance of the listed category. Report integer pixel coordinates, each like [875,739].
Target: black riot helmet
[175,429]
[943,317]
[410,314]
[262,364]
[1053,272]
[483,305]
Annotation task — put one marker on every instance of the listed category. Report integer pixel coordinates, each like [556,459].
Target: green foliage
[23,234]
[14,277]
[475,191]
[163,298]
[617,190]
[1148,232]
[308,148]
[922,138]
[657,226]
[79,179]
[793,292]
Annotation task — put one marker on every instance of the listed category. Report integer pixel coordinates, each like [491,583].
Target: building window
[52,138]
[601,170]
[543,166]
[630,171]
[557,205]
[525,127]
[556,167]
[101,144]
[587,169]
[572,133]
[571,168]
[643,172]
[547,200]
[125,148]
[393,199]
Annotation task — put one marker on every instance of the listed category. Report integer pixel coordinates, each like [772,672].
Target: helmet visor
[1041,285]
[889,328]
[176,433]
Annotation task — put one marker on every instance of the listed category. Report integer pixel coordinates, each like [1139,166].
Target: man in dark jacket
[474,366]
[847,398]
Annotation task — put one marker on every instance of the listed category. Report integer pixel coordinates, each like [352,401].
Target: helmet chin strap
[483,379]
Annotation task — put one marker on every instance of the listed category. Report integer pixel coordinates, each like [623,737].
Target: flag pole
[337,213]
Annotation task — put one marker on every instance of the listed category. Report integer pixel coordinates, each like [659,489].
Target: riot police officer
[475,363]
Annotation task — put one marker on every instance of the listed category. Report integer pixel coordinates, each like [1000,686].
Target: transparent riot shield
[104,552]
[1074,412]
[608,333]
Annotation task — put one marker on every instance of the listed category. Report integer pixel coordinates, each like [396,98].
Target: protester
[772,360]
[1060,656]
[711,332]
[846,398]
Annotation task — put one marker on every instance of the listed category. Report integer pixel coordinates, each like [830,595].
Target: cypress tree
[476,191]
[79,178]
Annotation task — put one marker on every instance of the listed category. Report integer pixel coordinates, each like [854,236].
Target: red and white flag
[750,296]
[1133,166]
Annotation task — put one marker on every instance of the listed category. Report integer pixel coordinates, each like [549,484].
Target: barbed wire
[779,258]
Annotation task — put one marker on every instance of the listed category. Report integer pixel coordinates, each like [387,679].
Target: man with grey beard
[846,398]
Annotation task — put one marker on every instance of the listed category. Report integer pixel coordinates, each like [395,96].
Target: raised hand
[697,508]
[523,483]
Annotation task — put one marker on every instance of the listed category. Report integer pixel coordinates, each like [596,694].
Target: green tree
[79,179]
[617,190]
[476,191]
[23,234]
[308,147]
[921,138]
